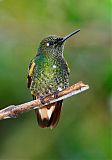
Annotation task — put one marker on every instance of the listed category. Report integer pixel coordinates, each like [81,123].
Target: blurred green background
[84,130]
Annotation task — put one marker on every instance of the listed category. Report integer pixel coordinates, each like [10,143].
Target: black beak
[68,36]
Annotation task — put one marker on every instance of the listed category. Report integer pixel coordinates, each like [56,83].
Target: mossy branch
[14,110]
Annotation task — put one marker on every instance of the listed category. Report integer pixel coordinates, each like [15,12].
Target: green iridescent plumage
[49,73]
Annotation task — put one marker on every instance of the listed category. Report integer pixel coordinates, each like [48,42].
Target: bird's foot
[42,100]
[56,94]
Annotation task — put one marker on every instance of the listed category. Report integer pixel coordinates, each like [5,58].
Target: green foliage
[83,132]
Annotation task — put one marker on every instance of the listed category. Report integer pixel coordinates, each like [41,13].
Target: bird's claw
[42,100]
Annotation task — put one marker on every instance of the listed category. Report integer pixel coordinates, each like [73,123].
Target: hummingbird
[48,73]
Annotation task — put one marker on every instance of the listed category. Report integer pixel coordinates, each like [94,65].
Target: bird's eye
[49,44]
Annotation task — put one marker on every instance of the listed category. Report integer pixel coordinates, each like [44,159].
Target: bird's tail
[49,115]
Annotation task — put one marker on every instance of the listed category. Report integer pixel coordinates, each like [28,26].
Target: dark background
[84,130]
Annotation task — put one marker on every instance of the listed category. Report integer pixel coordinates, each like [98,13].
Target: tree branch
[14,110]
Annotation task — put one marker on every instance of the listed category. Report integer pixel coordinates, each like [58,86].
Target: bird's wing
[30,72]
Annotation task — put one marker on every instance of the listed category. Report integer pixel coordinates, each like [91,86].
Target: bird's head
[54,44]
